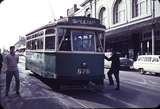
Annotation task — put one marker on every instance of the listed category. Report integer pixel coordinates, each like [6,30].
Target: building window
[119,11]
[140,8]
[101,15]
[88,12]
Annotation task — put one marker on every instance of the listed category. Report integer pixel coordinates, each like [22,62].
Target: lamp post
[153,25]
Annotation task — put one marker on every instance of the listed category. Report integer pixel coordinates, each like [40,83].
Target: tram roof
[73,21]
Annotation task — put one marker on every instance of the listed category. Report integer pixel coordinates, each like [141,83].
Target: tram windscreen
[83,41]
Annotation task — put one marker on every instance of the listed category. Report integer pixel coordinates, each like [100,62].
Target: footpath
[34,94]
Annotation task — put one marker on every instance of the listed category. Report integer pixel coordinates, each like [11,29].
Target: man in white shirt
[12,70]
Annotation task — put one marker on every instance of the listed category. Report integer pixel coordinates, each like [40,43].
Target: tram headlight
[84,65]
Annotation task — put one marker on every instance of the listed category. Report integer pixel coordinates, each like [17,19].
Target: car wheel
[142,71]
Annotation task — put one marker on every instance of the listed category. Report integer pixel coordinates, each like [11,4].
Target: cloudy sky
[18,17]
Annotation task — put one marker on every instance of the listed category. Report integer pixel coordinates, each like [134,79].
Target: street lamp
[153,25]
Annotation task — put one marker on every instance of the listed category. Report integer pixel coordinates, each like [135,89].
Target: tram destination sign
[83,20]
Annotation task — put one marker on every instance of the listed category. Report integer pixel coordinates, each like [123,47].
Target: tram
[70,50]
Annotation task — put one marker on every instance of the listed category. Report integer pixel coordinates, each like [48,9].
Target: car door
[156,65]
[148,64]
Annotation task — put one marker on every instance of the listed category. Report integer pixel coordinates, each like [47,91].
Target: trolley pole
[153,25]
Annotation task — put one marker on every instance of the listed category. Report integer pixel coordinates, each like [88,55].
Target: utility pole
[153,26]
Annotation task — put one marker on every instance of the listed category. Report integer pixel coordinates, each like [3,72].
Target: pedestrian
[1,61]
[12,70]
[115,66]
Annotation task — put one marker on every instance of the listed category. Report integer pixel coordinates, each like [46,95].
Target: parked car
[125,63]
[147,63]
[107,64]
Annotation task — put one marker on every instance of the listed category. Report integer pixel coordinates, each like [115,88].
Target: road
[136,91]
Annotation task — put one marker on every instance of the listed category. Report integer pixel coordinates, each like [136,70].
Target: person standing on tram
[115,67]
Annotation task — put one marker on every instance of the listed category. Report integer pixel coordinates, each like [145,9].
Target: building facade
[132,26]
[20,45]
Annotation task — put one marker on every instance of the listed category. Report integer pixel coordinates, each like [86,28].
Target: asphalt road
[136,91]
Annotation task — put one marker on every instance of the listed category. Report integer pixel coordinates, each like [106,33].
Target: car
[147,63]
[125,63]
[107,64]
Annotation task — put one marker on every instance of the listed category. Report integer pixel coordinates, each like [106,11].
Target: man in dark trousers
[12,70]
[115,66]
[1,60]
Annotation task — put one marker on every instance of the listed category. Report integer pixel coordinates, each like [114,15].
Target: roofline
[85,2]
[59,22]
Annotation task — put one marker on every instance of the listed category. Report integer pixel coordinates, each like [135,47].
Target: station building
[132,26]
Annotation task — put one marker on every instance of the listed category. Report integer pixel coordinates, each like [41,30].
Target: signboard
[83,20]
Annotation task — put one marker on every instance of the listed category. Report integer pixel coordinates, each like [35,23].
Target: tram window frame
[64,39]
[33,44]
[50,31]
[49,47]
[29,44]
[82,49]
[100,44]
[40,42]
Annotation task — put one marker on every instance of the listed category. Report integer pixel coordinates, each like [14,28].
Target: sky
[19,17]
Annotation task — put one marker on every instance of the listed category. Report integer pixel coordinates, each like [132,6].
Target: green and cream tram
[69,50]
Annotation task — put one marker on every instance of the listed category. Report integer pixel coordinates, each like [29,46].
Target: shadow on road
[126,97]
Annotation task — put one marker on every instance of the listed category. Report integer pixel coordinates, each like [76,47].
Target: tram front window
[64,40]
[83,41]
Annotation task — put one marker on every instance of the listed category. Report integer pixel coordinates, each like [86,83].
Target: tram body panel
[68,66]
[35,62]
[50,65]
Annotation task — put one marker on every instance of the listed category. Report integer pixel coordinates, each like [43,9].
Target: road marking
[75,100]
[115,99]
[150,91]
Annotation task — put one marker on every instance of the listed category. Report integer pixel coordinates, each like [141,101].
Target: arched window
[119,11]
[88,12]
[101,15]
[139,8]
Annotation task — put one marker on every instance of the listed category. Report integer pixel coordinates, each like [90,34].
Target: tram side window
[65,41]
[50,31]
[33,44]
[40,43]
[29,45]
[50,42]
